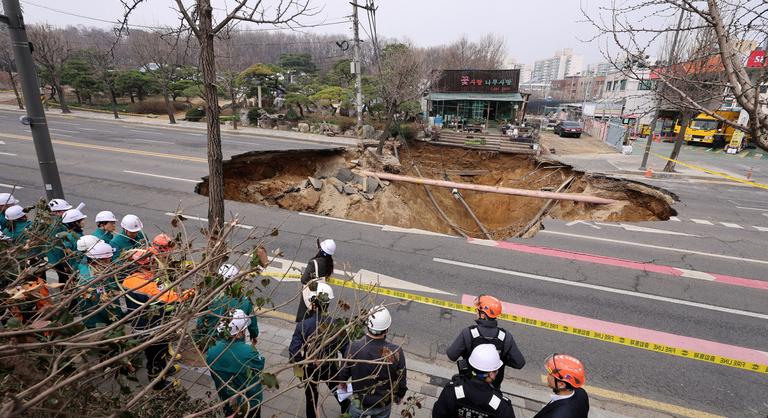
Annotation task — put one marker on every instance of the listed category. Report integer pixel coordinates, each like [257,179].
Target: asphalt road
[149,171]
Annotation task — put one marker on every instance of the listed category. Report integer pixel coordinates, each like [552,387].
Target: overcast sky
[533,29]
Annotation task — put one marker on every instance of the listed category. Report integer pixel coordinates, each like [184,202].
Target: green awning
[493,97]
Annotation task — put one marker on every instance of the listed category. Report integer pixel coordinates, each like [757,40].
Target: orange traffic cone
[649,172]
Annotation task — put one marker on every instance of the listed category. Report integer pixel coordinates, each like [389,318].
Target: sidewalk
[425,380]
[157,120]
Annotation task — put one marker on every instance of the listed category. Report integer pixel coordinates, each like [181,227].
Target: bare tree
[487,53]
[403,76]
[205,26]
[8,64]
[161,55]
[51,49]
[733,27]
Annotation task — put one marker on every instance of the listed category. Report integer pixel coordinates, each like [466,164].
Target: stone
[355,162]
[371,184]
[316,184]
[366,132]
[378,134]
[336,183]
[367,196]
[344,174]
[349,189]
[350,133]
[303,128]
[336,129]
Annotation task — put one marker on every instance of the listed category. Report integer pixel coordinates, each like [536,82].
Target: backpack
[476,338]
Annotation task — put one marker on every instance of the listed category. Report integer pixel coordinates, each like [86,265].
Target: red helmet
[162,242]
[488,305]
[142,256]
[566,369]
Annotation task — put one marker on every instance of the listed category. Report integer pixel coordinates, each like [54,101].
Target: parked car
[568,128]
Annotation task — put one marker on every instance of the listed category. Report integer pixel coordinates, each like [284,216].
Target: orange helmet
[488,305]
[162,242]
[142,256]
[566,369]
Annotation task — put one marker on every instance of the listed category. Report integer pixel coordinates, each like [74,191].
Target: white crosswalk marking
[702,222]
[731,225]
[762,228]
[674,219]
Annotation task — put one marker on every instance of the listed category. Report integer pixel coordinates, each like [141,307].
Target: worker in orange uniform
[565,376]
[487,331]
[141,287]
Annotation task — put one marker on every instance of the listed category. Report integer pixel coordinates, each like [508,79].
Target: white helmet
[239,322]
[485,358]
[379,319]
[14,212]
[310,295]
[228,271]
[8,199]
[72,215]
[131,223]
[57,205]
[100,251]
[86,242]
[328,246]
[105,216]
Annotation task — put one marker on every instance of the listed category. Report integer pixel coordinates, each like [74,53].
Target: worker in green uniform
[222,307]
[16,224]
[100,289]
[131,236]
[56,248]
[74,221]
[106,225]
[236,368]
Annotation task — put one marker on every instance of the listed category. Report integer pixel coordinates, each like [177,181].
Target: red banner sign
[756,59]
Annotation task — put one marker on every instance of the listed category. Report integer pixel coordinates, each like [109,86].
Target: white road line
[10,186]
[68,123]
[605,289]
[159,176]
[197,218]
[731,225]
[340,219]
[761,228]
[149,140]
[8,153]
[674,219]
[748,208]
[636,228]
[90,129]
[62,135]
[656,247]
[384,228]
[64,130]
[702,222]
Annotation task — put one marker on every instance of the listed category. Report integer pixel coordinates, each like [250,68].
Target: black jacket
[374,384]
[489,331]
[480,399]
[577,406]
[305,336]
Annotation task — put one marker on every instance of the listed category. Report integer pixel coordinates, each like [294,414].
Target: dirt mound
[325,182]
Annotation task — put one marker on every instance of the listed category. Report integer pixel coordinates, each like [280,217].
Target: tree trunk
[60,91]
[235,116]
[78,97]
[215,158]
[113,97]
[15,90]
[169,107]
[686,119]
[301,110]
[132,100]
[385,134]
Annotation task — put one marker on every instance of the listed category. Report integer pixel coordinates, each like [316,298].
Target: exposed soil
[281,178]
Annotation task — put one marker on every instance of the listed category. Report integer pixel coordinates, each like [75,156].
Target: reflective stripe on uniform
[459,390]
[502,335]
[494,402]
[475,333]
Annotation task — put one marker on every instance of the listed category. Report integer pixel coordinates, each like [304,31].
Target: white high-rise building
[563,64]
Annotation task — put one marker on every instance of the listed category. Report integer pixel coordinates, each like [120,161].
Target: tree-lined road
[151,170]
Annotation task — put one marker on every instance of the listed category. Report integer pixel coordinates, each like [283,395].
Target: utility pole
[657,108]
[35,118]
[356,66]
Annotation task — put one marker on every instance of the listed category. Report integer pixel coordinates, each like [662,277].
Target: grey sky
[533,29]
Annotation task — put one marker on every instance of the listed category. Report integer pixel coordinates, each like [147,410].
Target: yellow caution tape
[716,173]
[551,326]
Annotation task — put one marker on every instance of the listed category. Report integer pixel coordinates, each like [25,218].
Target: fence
[611,133]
